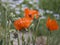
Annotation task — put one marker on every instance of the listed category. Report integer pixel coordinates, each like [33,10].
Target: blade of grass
[18,38]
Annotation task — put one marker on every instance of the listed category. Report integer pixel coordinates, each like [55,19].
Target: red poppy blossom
[26,20]
[31,13]
[52,24]
[22,23]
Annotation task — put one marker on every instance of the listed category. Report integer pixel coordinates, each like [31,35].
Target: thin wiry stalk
[18,38]
[9,39]
[34,39]
[48,37]
[1,12]
[28,41]
[23,39]
[35,32]
[37,24]
[9,32]
[47,40]
[3,42]
[6,26]
[12,42]
[6,16]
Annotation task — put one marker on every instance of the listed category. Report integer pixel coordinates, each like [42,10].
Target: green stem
[28,41]
[6,13]
[23,39]
[18,38]
[9,32]
[34,40]
[6,27]
[48,37]
[47,40]
[34,33]
[12,42]
[3,42]
[37,24]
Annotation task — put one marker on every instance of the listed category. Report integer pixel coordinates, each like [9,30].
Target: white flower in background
[56,15]
[19,2]
[17,12]
[10,0]
[12,15]
[12,6]
[7,0]
[41,11]
[51,12]
[43,17]
[17,9]
[23,7]
[3,0]
[36,6]
[36,1]
[13,1]
[30,2]
[47,11]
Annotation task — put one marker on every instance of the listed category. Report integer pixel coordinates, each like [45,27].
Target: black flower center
[30,15]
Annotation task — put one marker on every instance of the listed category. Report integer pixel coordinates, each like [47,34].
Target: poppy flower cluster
[26,20]
[51,24]
[31,13]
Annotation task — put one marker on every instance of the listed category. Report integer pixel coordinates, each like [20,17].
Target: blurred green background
[14,9]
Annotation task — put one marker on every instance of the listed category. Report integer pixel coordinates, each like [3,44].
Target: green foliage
[39,30]
[50,5]
[1,42]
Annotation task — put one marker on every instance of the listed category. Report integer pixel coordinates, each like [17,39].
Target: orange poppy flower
[51,24]
[26,20]
[22,23]
[31,13]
